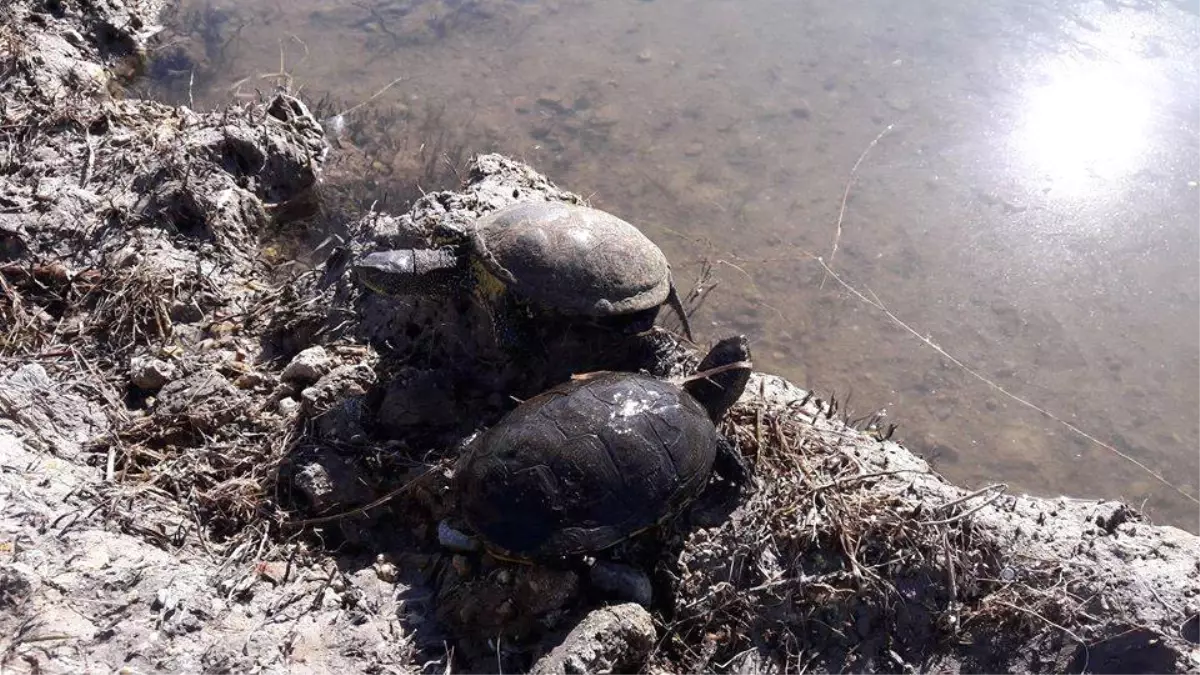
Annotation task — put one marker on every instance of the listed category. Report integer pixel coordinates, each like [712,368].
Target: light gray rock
[610,639]
[46,414]
[308,366]
[204,399]
[150,374]
[330,481]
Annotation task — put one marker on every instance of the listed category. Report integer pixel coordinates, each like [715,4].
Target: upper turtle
[597,459]
[574,260]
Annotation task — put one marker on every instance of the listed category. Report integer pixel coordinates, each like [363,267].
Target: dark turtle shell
[585,465]
[573,259]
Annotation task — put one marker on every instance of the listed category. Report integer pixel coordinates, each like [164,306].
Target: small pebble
[455,540]
[385,570]
[334,126]
[288,406]
[150,374]
[307,366]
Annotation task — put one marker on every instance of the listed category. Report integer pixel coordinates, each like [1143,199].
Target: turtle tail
[677,305]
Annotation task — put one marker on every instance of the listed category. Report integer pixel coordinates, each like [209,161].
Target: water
[1028,200]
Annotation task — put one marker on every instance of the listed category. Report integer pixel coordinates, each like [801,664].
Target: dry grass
[226,478]
[131,307]
[833,564]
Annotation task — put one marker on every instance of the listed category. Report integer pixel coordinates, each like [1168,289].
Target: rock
[605,115]
[186,335]
[16,584]
[254,379]
[345,421]
[47,415]
[610,639]
[150,374]
[553,102]
[288,405]
[329,480]
[621,582]
[385,569]
[337,402]
[204,399]
[342,382]
[308,366]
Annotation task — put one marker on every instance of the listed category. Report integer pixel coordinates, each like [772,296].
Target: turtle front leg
[721,497]
[731,465]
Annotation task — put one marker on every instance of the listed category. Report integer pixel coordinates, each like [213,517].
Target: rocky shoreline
[215,460]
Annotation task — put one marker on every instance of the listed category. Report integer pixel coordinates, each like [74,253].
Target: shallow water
[1025,196]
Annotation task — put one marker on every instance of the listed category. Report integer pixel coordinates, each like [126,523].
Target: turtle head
[410,271]
[722,376]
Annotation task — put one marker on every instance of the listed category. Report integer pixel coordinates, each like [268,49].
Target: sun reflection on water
[1086,123]
[1086,126]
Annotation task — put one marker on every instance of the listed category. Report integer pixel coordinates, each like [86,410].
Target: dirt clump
[215,460]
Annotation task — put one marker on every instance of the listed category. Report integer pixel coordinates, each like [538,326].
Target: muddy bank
[217,461]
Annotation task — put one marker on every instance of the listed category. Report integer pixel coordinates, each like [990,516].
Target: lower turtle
[596,460]
[572,260]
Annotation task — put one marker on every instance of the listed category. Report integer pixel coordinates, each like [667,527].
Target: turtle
[570,259]
[600,458]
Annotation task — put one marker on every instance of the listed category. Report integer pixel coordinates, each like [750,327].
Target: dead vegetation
[850,557]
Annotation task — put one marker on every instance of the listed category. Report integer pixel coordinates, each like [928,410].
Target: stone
[308,366]
[346,381]
[150,374]
[611,639]
[47,415]
[205,399]
[329,480]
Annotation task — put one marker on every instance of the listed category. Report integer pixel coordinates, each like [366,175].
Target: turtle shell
[572,259]
[585,465]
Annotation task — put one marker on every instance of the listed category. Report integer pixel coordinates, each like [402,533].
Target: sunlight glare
[1087,124]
